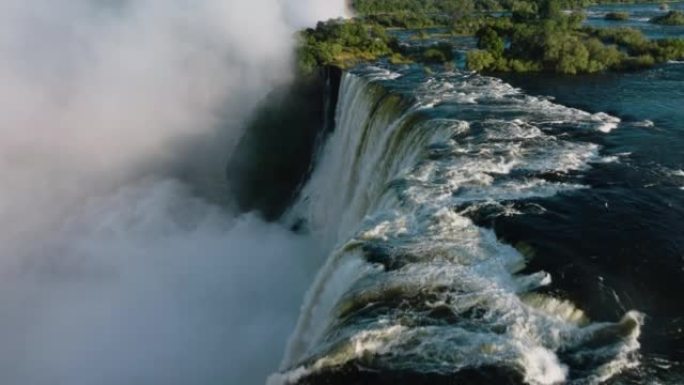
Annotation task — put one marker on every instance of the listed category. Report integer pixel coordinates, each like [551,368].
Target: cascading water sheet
[412,284]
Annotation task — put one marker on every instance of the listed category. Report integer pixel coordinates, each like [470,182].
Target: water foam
[413,284]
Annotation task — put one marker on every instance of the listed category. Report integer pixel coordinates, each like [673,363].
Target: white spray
[111,270]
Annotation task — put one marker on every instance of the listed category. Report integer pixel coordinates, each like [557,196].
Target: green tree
[459,9]
[670,18]
[479,60]
[489,40]
[522,11]
[550,9]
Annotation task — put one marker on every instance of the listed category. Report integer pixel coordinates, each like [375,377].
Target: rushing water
[484,235]
[620,243]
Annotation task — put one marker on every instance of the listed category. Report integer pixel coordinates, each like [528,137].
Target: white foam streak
[386,190]
[335,278]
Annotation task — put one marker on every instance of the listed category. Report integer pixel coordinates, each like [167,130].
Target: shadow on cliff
[278,150]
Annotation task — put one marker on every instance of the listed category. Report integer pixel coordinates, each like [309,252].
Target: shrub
[639,62]
[440,53]
[433,55]
[617,16]
[342,43]
[479,60]
[670,18]
[488,39]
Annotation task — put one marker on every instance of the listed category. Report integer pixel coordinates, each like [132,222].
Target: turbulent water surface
[484,235]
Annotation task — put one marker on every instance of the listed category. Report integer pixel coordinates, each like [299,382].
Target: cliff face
[277,151]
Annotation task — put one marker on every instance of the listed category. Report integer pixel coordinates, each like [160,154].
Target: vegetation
[345,43]
[617,16]
[547,40]
[406,19]
[638,47]
[670,18]
[443,7]
[532,35]
[439,53]
[451,7]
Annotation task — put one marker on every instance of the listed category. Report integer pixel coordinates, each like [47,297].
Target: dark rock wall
[276,154]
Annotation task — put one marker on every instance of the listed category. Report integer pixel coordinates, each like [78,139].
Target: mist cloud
[112,270]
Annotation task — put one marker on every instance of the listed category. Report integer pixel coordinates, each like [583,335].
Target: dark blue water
[620,244]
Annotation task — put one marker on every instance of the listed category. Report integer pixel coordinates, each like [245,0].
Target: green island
[511,35]
[553,41]
[670,18]
[617,16]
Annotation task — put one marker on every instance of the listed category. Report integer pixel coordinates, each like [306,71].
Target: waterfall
[412,285]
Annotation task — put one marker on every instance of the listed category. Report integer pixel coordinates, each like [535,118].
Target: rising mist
[113,269]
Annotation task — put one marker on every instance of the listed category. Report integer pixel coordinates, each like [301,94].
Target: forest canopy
[552,41]
[511,35]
